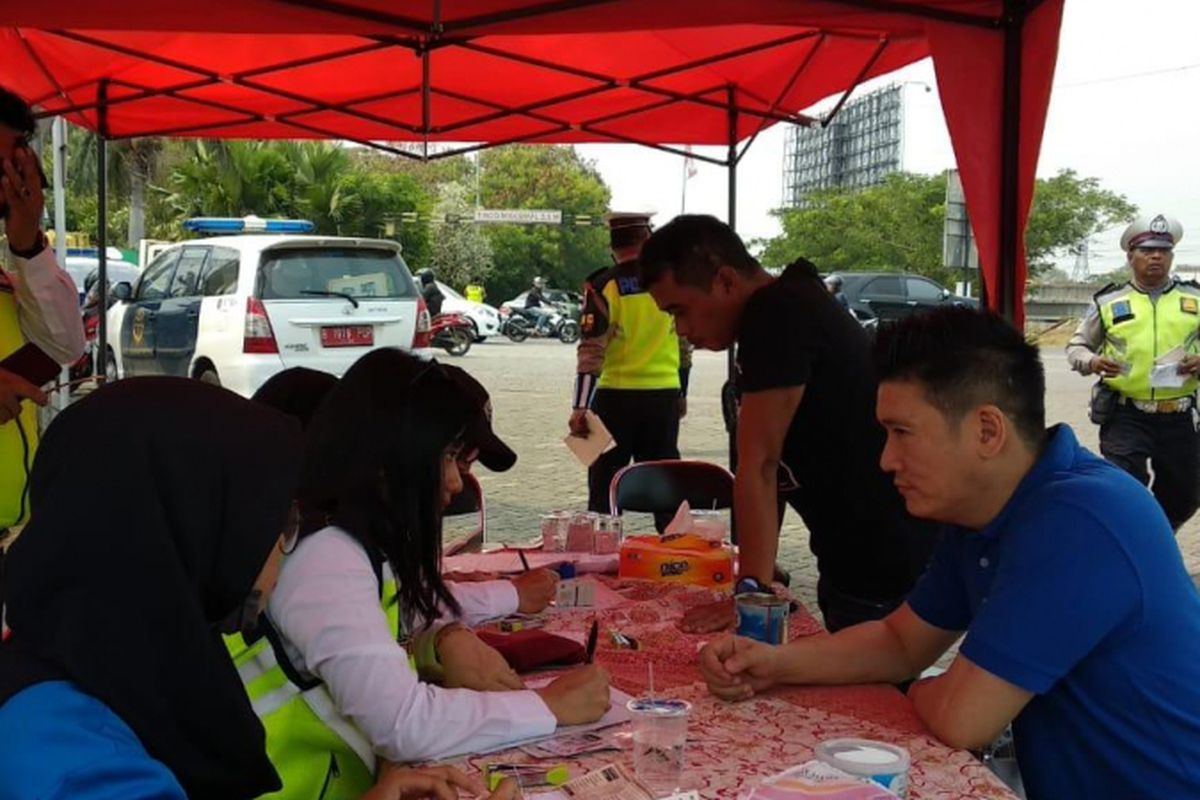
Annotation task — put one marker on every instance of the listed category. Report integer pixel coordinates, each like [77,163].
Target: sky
[1123,109]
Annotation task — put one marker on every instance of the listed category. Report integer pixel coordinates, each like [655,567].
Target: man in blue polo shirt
[1082,625]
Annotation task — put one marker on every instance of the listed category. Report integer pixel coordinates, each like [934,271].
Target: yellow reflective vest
[318,753]
[626,332]
[1139,329]
[18,442]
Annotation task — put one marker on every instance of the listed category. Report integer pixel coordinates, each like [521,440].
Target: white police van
[235,310]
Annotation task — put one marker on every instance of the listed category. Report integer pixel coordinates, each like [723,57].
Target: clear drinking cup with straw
[659,739]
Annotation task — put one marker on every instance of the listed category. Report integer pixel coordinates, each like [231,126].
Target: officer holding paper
[632,367]
[1140,338]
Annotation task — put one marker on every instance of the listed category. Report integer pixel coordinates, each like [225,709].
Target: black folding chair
[658,487]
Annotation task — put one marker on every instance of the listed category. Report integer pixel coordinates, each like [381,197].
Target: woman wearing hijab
[384,453]
[113,680]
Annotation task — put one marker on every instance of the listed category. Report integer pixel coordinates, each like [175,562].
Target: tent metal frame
[428,36]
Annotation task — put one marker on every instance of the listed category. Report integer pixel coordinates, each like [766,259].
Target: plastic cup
[710,524]
[608,535]
[554,531]
[581,532]
[659,741]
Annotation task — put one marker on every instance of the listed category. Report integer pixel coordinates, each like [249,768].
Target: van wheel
[208,374]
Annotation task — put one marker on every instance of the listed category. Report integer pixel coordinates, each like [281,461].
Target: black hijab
[156,502]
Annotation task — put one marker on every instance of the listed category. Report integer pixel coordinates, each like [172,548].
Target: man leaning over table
[1082,625]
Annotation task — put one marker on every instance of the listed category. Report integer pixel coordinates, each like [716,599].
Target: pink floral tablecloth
[733,745]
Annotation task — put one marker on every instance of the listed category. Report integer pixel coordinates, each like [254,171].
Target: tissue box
[685,558]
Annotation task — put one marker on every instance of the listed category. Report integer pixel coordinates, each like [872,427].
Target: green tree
[234,179]
[462,253]
[1067,209]
[321,195]
[452,169]
[897,226]
[132,171]
[542,176]
[378,200]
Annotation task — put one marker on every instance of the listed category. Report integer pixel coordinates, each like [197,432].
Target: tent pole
[101,359]
[731,164]
[58,143]
[1010,158]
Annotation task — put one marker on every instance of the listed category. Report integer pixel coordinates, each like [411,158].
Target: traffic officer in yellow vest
[632,368]
[475,293]
[39,303]
[1140,338]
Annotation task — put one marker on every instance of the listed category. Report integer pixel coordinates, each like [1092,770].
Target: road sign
[519,216]
[958,241]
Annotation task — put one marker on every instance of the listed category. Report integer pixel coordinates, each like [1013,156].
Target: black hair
[964,358]
[297,392]
[693,247]
[373,467]
[15,113]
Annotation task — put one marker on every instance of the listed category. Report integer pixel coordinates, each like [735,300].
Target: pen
[524,560]
[593,636]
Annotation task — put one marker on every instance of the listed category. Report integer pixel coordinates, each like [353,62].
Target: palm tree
[132,164]
[232,179]
[140,157]
[322,193]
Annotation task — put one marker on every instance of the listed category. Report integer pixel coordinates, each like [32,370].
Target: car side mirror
[945,293]
[123,291]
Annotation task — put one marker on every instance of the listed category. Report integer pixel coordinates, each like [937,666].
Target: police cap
[1152,230]
[628,229]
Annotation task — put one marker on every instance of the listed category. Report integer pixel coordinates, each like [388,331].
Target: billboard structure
[860,147]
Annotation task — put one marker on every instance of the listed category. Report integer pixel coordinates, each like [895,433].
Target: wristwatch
[750,585]
[38,246]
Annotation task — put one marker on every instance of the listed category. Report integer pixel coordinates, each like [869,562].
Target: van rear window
[299,273]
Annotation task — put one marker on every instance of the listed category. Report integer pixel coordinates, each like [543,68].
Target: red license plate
[348,336]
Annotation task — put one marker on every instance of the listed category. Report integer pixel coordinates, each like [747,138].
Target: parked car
[235,310]
[83,269]
[485,318]
[894,295]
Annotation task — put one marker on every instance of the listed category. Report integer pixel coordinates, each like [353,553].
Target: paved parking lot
[530,385]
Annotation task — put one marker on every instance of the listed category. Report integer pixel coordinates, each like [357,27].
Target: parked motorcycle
[85,366]
[551,325]
[454,333]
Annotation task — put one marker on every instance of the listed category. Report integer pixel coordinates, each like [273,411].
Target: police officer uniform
[1147,412]
[632,367]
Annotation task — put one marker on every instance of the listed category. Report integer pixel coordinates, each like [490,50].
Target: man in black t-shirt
[806,431]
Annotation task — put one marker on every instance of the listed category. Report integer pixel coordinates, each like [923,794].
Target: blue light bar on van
[249,224]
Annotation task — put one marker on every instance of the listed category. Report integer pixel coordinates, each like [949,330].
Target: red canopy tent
[497,71]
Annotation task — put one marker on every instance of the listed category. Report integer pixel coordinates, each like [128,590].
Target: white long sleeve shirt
[48,306]
[326,608]
[481,601]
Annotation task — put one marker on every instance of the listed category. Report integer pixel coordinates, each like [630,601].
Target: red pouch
[534,649]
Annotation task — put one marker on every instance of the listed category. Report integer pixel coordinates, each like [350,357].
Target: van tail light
[422,337]
[258,336]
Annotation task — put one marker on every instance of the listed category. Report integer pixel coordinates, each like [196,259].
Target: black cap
[493,453]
